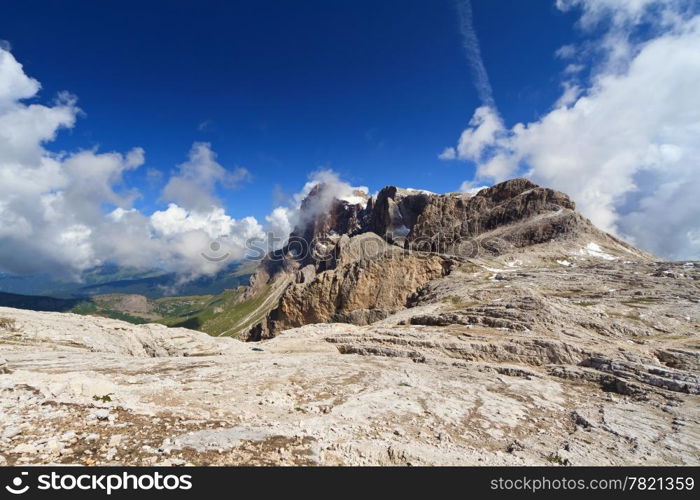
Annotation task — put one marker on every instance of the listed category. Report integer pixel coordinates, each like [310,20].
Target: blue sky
[373,90]
[201,121]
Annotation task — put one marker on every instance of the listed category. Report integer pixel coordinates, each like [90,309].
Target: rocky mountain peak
[358,259]
[329,210]
[436,221]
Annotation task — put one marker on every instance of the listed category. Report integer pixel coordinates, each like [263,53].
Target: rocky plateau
[497,328]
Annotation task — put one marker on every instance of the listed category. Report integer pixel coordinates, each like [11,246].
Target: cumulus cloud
[14,84]
[64,213]
[186,233]
[68,212]
[626,143]
[481,133]
[280,223]
[194,184]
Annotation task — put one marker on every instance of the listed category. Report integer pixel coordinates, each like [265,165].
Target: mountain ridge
[330,279]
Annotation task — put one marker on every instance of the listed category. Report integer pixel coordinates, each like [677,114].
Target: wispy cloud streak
[472,50]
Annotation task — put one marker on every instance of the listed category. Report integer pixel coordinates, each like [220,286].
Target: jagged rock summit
[361,259]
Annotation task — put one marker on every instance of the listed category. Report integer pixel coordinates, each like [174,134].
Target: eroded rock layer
[370,281]
[347,264]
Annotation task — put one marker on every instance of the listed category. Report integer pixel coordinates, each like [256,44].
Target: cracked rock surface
[588,365]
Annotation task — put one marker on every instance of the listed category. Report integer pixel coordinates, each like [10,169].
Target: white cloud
[335,187]
[482,131]
[569,96]
[52,206]
[193,186]
[619,12]
[572,69]
[471,187]
[280,223]
[14,84]
[448,153]
[626,145]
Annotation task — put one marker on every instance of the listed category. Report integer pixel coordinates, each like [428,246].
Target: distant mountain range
[208,303]
[109,279]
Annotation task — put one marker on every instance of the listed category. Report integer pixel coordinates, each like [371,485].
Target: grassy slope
[243,315]
[213,314]
[216,315]
[195,312]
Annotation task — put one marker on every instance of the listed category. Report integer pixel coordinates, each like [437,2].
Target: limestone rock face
[463,216]
[437,221]
[396,211]
[525,213]
[346,260]
[371,281]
